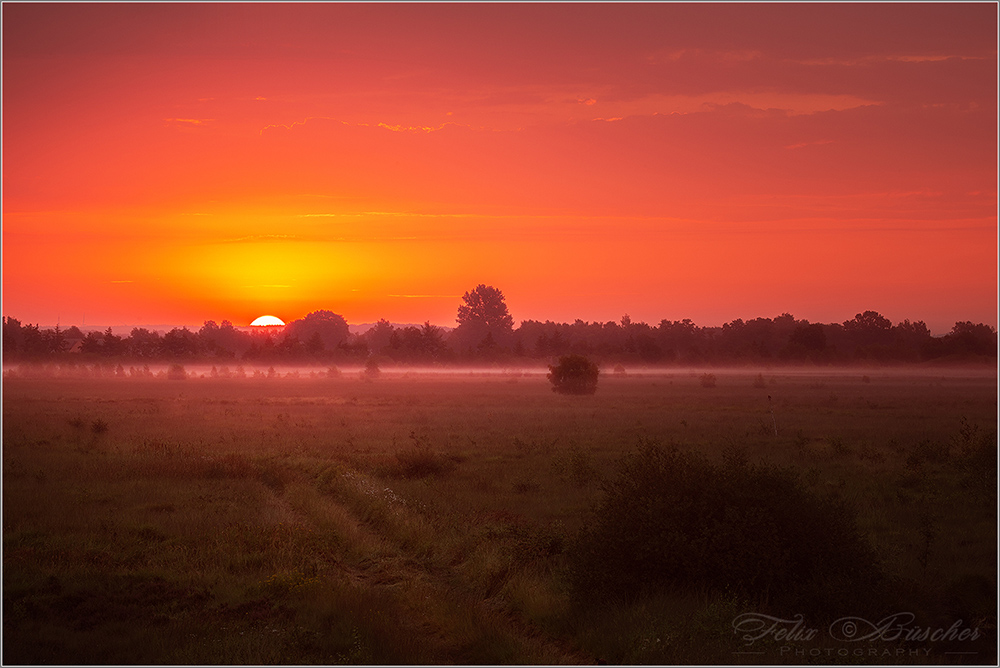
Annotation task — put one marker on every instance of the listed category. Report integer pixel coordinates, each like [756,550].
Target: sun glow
[267,321]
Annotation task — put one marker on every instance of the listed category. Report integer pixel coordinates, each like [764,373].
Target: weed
[840,449]
[419,461]
[870,453]
[708,380]
[801,440]
[525,485]
[99,426]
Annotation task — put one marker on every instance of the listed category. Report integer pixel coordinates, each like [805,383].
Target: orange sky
[174,163]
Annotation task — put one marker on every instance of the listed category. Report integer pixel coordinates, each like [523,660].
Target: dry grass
[426,519]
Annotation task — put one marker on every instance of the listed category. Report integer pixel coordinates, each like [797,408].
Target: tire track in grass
[390,547]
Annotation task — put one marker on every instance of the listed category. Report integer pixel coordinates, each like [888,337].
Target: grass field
[431,517]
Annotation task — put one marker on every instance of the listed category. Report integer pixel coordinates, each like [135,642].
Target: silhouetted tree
[868,327]
[912,340]
[967,338]
[93,344]
[13,338]
[379,336]
[34,343]
[331,327]
[483,313]
[143,344]
[485,305]
[180,343]
[806,342]
[113,345]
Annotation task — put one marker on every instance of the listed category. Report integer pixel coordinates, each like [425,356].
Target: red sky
[174,163]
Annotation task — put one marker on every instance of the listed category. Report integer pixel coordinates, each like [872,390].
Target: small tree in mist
[574,374]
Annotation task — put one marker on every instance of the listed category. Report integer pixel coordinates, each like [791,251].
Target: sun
[267,321]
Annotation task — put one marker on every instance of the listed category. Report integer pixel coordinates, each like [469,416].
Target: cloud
[189,121]
[410,128]
[392,127]
[888,58]
[426,296]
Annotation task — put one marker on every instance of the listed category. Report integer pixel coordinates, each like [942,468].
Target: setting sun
[267,321]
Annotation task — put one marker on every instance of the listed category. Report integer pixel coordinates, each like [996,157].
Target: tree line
[486,334]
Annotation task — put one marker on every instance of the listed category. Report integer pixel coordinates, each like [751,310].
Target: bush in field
[574,374]
[708,380]
[176,372]
[674,520]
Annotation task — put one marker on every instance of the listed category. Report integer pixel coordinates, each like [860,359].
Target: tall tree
[485,306]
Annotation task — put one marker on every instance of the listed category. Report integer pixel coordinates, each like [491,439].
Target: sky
[177,163]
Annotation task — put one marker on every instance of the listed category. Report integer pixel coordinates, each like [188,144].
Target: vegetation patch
[574,374]
[672,519]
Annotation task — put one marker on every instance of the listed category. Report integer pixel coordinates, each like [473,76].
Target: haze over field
[185,162]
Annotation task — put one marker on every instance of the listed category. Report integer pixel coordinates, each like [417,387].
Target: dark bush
[674,520]
[574,374]
[420,463]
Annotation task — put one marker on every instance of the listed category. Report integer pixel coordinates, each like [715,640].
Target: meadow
[434,517]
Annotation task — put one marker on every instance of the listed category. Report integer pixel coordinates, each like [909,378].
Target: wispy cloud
[889,58]
[426,296]
[189,121]
[391,127]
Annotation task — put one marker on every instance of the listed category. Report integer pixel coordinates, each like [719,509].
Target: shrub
[574,374]
[708,380]
[674,520]
[176,372]
[421,462]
